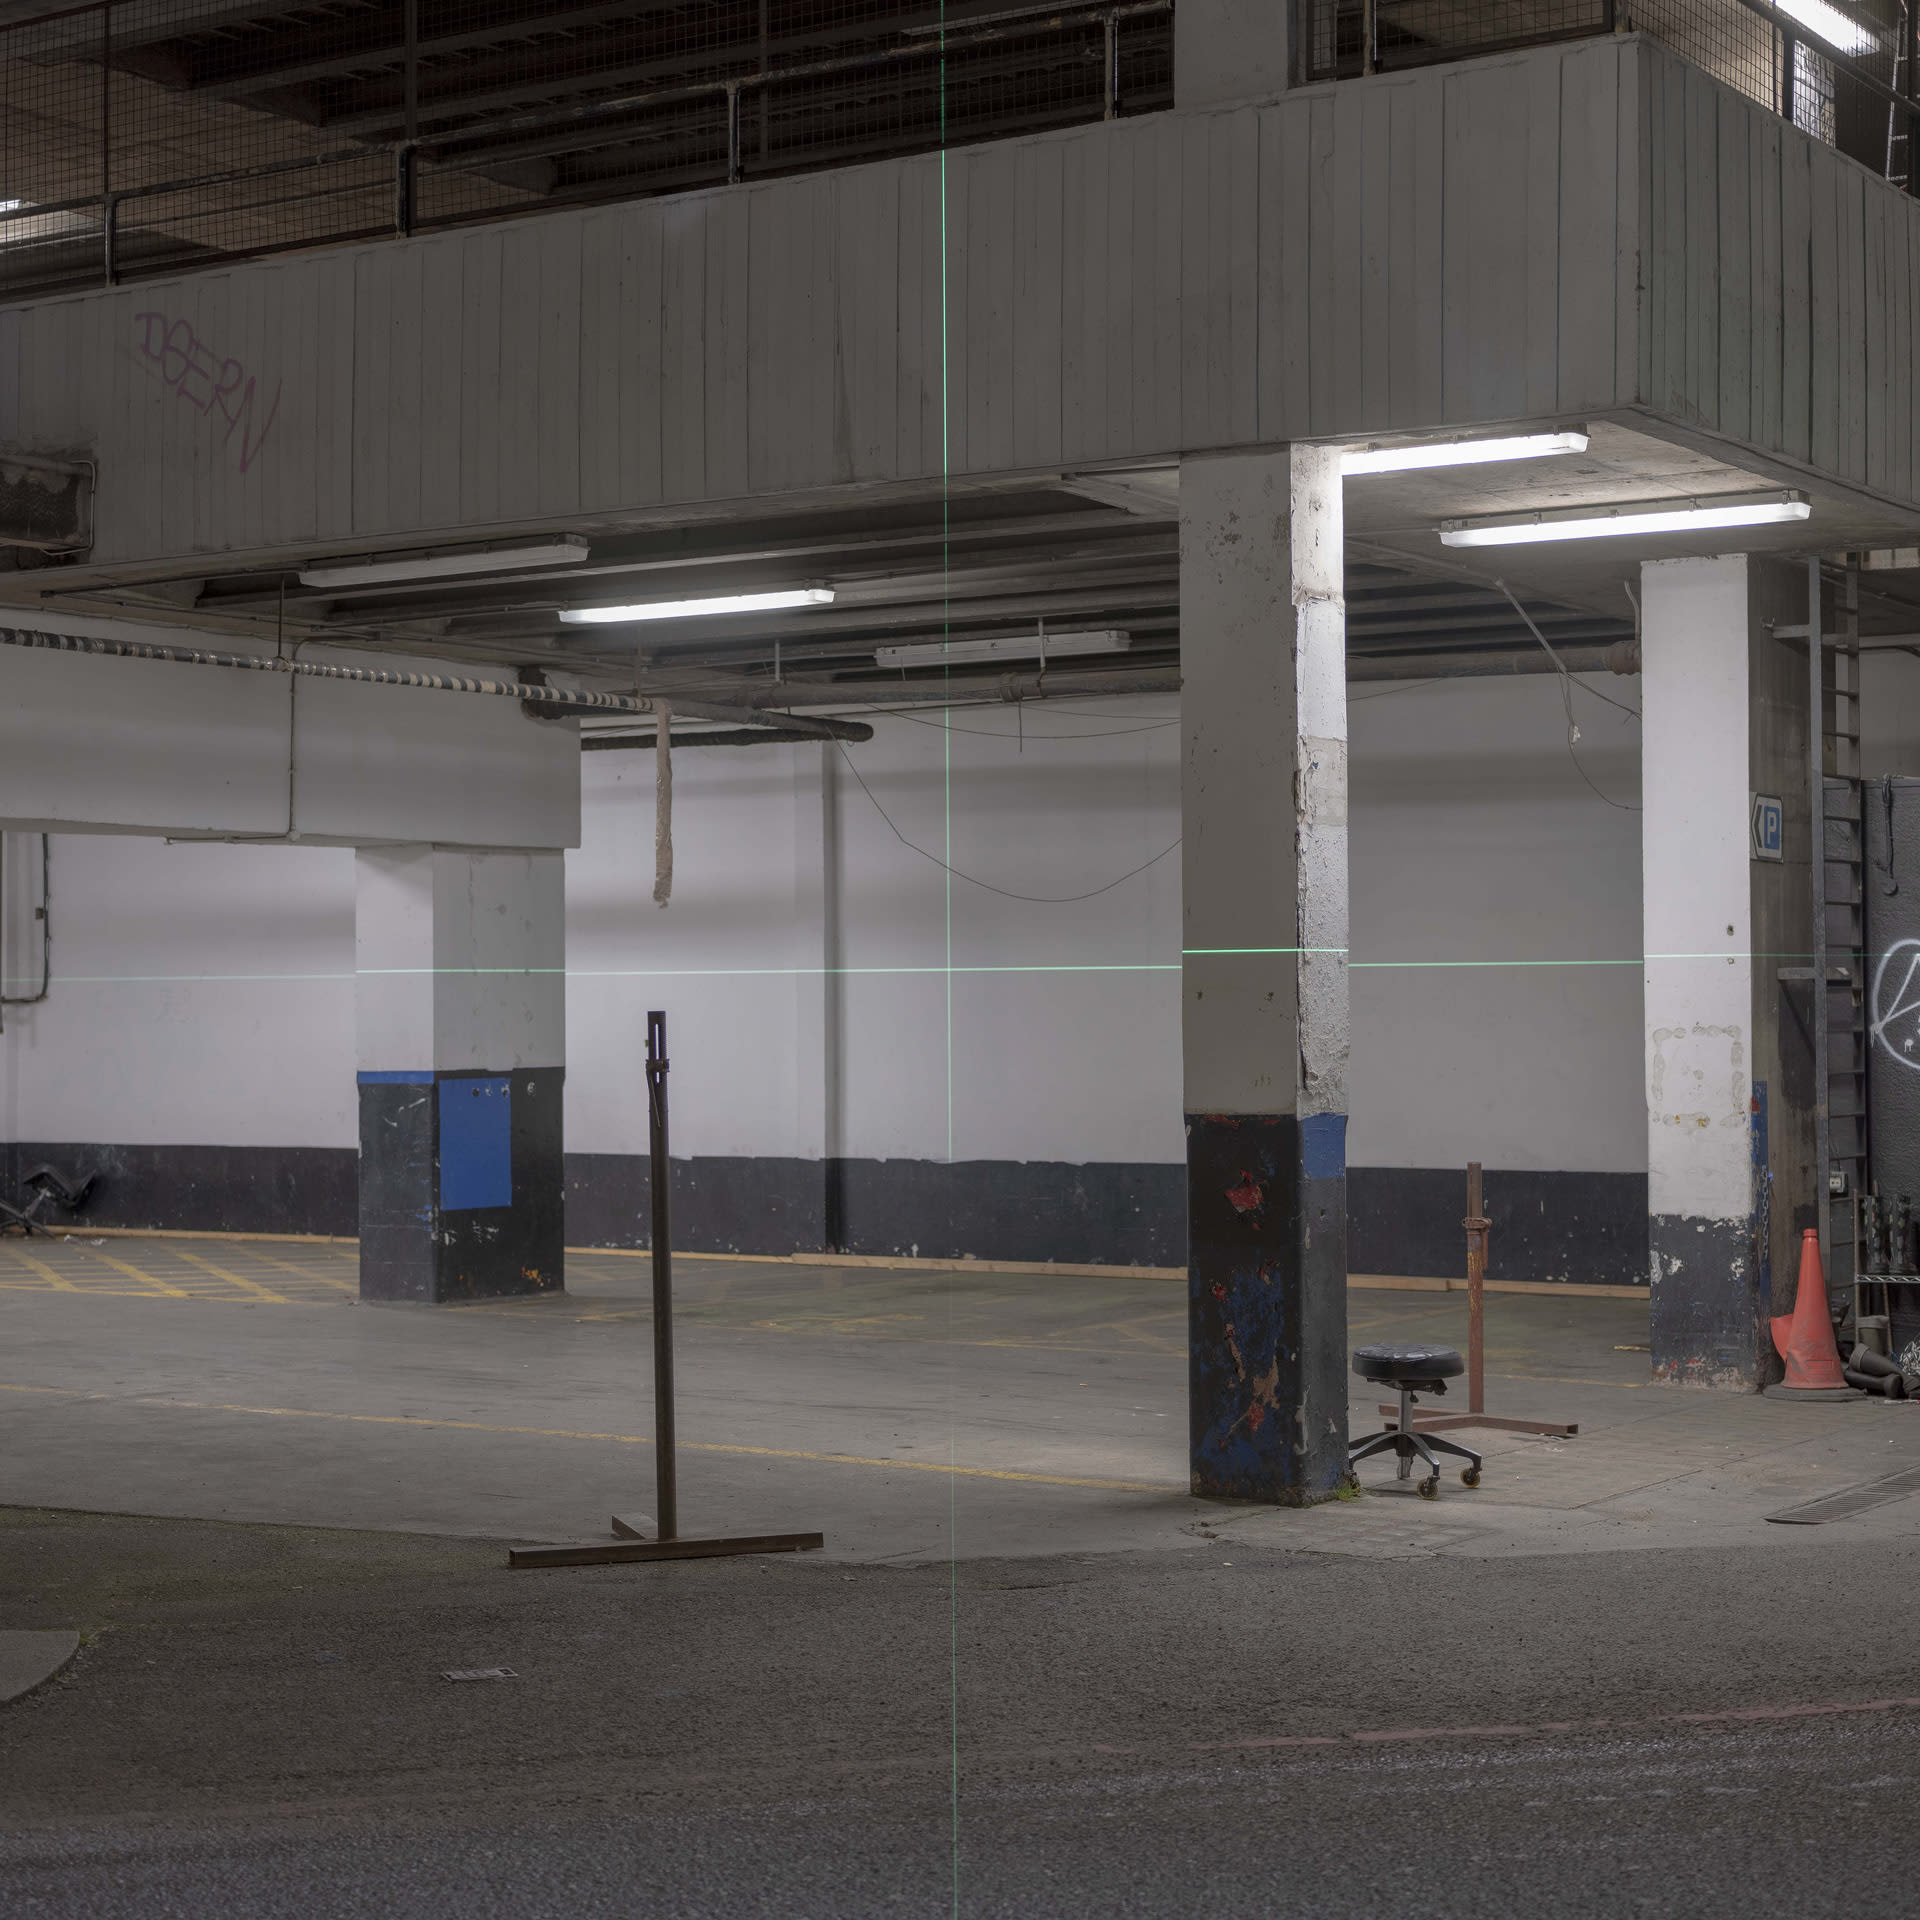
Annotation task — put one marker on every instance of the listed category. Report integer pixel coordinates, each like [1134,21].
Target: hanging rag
[662,803]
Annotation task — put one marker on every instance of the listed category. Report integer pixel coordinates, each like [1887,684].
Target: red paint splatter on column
[1247,1196]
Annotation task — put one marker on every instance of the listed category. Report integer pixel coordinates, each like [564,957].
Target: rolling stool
[1411,1370]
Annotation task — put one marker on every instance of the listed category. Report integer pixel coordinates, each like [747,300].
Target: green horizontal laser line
[792,973]
[635,973]
[1631,960]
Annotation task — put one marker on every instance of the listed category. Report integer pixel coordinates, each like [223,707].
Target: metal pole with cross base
[1425,1420]
[665,1542]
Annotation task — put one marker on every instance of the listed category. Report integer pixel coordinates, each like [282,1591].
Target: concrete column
[461,1003]
[1729,1042]
[1228,50]
[1264,992]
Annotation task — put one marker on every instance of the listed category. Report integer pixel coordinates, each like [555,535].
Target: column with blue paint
[461,1006]
[1264,986]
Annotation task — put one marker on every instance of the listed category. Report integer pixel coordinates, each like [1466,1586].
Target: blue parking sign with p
[1765,819]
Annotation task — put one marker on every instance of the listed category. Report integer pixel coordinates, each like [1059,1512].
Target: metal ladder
[1840,933]
[1899,132]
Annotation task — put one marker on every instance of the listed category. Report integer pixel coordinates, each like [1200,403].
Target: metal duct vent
[45,504]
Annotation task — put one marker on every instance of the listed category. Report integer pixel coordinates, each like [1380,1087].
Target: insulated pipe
[559,699]
[543,701]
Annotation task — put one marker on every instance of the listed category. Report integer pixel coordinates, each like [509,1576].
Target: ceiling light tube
[1021,646]
[1460,453]
[685,609]
[1629,516]
[568,550]
[1840,31]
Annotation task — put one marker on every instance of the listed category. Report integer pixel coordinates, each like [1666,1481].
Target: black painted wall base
[1586,1227]
[460,1189]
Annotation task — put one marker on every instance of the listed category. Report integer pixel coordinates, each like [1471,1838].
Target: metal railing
[149,136]
[1858,99]
[158,136]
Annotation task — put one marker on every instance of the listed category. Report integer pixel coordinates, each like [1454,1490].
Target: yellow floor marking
[622,1439]
[310,1273]
[152,1280]
[58,1281]
[222,1298]
[238,1279]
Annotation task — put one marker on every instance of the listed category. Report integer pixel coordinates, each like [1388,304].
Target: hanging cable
[1566,700]
[1006,893]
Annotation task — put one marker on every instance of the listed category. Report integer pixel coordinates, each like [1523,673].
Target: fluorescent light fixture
[11,206]
[685,609]
[1631,516]
[1021,646]
[566,551]
[1460,453]
[1837,29]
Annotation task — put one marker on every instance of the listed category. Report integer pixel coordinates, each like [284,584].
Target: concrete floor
[909,1415]
[1029,1678]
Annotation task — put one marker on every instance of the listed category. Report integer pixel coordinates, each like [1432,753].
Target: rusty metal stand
[1427,1421]
[665,1543]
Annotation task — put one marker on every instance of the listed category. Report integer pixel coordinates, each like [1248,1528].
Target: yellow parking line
[311,1273]
[620,1439]
[238,1279]
[58,1281]
[152,1280]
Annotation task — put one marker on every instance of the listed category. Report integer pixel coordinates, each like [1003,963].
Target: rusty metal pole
[1428,1419]
[1476,1226]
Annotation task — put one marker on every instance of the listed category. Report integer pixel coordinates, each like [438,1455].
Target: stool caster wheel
[1430,1487]
[1469,1476]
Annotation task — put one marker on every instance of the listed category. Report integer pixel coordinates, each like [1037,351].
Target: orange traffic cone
[1804,1338]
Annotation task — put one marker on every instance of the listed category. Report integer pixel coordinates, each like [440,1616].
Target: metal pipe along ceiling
[1618,657]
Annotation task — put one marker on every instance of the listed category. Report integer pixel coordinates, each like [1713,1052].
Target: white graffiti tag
[1895,1011]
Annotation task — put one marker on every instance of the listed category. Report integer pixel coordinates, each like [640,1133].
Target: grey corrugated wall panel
[1779,294]
[1567,230]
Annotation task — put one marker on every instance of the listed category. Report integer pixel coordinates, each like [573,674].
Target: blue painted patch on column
[476,1144]
[1323,1146]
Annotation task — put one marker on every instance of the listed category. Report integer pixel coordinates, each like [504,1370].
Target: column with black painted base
[1264,870]
[461,1010]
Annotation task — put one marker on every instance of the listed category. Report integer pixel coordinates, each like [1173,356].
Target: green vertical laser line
[946,747]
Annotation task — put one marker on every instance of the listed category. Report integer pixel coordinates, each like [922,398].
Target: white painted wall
[1496,927]
[204,994]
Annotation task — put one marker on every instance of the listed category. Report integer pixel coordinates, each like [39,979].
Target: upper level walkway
[1579,231]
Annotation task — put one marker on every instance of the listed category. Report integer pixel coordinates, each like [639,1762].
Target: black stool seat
[1394,1366]
[1410,1370]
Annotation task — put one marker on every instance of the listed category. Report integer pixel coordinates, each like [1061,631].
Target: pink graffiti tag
[206,380]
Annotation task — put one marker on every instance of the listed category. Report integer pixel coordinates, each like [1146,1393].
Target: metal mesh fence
[1780,55]
[150,135]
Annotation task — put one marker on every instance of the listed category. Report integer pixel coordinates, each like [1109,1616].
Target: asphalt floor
[1030,1676]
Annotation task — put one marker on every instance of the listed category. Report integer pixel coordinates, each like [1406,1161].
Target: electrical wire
[1007,893]
[1566,699]
[996,733]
